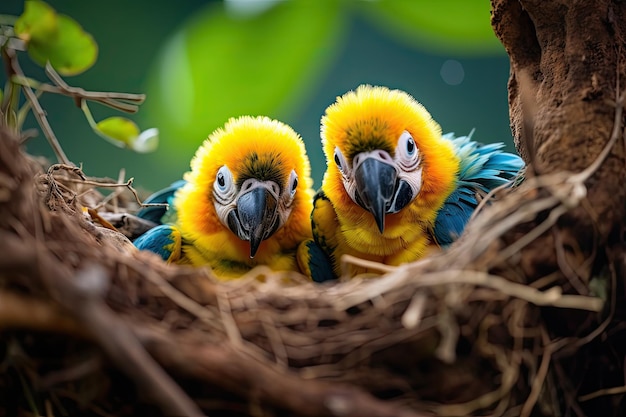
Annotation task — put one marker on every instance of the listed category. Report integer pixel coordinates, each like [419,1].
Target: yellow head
[249,181]
[385,154]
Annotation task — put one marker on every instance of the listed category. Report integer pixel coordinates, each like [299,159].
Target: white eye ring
[293,184]
[341,162]
[223,185]
[407,152]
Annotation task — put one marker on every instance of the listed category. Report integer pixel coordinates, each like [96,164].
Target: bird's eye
[223,180]
[341,162]
[293,183]
[406,151]
[410,146]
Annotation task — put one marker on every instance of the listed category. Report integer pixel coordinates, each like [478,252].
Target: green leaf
[75,50]
[124,133]
[56,38]
[222,65]
[121,130]
[38,23]
[449,26]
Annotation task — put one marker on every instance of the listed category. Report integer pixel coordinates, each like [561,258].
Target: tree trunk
[566,93]
[568,67]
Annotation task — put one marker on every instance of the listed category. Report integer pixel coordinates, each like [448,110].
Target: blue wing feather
[161,214]
[319,263]
[164,240]
[482,168]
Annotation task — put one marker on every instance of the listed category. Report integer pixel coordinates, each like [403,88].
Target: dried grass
[91,326]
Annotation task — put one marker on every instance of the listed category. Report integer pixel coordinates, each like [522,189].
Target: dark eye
[293,180]
[407,152]
[341,162]
[410,146]
[223,180]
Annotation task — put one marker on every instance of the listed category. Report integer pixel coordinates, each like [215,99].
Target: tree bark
[566,91]
[567,70]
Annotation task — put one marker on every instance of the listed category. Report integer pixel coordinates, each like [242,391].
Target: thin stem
[38,111]
[96,96]
[94,125]
[85,108]
[11,94]
[23,112]
[118,101]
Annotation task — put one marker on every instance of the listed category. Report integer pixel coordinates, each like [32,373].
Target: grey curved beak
[255,218]
[375,186]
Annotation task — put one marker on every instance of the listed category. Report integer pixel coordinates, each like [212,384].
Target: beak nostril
[384,156]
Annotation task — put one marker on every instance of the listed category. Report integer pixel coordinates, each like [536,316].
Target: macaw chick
[394,185]
[245,202]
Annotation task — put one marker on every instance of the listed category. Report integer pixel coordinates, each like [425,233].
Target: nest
[497,325]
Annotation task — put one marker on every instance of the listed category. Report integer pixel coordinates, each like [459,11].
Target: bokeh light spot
[452,72]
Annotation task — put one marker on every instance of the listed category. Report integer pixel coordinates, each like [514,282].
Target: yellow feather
[374,118]
[205,239]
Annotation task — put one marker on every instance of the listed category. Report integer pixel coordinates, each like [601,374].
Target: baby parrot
[394,185]
[245,202]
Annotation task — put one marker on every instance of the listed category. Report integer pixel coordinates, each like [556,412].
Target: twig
[81,295]
[603,392]
[128,184]
[72,373]
[275,341]
[531,236]
[377,266]
[522,214]
[126,102]
[542,372]
[551,297]
[231,368]
[608,319]
[119,342]
[568,390]
[115,194]
[450,332]
[488,197]
[179,298]
[23,312]
[232,331]
[78,92]
[564,266]
[38,111]
[71,168]
[414,312]
[509,376]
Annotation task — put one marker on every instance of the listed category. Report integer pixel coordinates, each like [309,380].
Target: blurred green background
[201,62]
